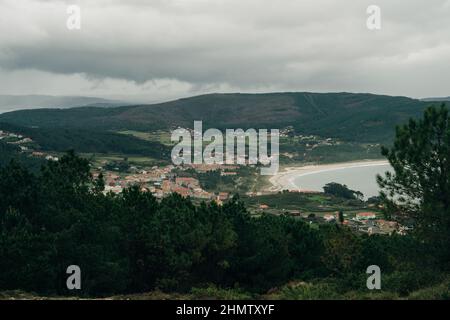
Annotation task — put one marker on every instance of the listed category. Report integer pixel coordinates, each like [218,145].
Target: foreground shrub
[405,282]
[438,292]
[213,292]
[307,291]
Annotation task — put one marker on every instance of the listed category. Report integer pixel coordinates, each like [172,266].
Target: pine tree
[419,187]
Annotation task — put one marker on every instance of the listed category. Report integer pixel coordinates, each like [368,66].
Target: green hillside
[89,140]
[357,117]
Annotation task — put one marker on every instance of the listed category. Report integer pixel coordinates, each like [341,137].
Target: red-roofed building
[223,196]
[184,192]
[365,216]
[166,185]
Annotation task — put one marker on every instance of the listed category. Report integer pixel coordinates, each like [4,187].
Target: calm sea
[357,178]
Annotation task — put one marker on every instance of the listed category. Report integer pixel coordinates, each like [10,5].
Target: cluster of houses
[16,139]
[160,181]
[363,222]
[369,223]
[148,179]
[25,144]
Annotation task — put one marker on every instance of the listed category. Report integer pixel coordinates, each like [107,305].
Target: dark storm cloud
[186,46]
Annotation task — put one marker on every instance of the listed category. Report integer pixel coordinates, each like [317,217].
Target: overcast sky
[158,50]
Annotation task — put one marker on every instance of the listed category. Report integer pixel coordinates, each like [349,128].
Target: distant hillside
[17,102]
[89,141]
[438,99]
[358,117]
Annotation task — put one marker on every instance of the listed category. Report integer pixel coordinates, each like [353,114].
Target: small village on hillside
[161,181]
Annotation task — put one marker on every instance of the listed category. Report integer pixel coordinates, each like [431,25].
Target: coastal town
[163,180]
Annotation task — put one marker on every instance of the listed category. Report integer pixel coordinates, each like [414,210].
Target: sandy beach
[284,179]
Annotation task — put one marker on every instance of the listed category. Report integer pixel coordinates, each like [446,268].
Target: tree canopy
[341,190]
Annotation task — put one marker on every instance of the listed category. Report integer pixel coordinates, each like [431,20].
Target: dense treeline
[7,153]
[342,191]
[133,243]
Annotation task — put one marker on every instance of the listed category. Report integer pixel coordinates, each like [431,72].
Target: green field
[160,136]
[99,159]
[318,204]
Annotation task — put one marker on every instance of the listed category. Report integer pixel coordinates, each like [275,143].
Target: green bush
[308,291]
[405,282]
[370,295]
[213,292]
[437,292]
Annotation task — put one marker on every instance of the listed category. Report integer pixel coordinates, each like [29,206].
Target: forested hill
[17,102]
[361,117]
[89,141]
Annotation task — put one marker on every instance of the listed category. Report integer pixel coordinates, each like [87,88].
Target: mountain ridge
[352,116]
[436,99]
[11,102]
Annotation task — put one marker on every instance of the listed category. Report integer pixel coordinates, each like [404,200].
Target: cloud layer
[162,49]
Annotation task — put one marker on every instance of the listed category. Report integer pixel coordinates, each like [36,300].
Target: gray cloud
[167,48]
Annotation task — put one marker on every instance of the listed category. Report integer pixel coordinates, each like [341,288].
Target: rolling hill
[437,99]
[89,141]
[348,116]
[17,102]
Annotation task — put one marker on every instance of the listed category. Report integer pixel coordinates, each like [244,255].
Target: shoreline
[284,180]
